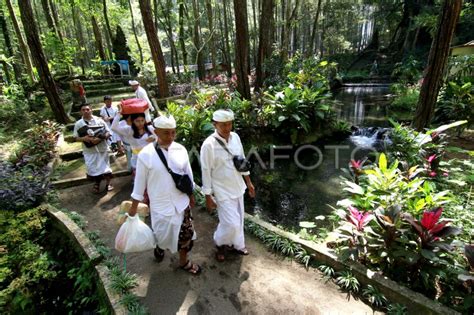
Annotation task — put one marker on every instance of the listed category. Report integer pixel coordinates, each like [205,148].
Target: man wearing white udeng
[170,208]
[221,179]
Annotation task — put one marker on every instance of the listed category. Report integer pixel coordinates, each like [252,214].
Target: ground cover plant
[409,215]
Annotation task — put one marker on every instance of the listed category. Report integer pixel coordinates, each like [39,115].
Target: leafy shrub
[408,70]
[456,102]
[21,188]
[38,147]
[406,97]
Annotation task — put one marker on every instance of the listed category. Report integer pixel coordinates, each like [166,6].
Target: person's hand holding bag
[134,236]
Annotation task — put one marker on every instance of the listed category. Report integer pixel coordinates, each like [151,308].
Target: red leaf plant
[430,229]
[358,218]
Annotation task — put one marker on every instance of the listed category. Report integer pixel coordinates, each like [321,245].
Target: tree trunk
[9,48]
[167,24]
[226,35]
[40,61]
[241,48]
[50,19]
[182,35]
[108,31]
[290,16]
[54,13]
[197,42]
[25,54]
[437,61]
[212,47]
[135,33]
[79,36]
[98,39]
[315,28]
[265,40]
[155,47]
[254,34]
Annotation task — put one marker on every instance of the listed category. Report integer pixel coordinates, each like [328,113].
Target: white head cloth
[223,115]
[164,122]
[133,82]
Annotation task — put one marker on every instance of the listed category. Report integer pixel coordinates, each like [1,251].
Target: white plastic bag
[134,236]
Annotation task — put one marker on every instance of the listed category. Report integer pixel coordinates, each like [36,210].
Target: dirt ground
[261,283]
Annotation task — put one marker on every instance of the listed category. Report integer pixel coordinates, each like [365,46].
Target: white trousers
[166,230]
[230,230]
[97,163]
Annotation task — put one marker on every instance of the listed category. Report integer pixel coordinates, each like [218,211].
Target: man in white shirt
[223,185]
[170,208]
[108,112]
[94,147]
[141,94]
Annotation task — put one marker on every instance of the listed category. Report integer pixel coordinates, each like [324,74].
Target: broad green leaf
[307,224]
[383,162]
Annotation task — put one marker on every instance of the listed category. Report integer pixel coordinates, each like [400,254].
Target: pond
[300,183]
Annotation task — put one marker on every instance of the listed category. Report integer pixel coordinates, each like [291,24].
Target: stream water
[302,183]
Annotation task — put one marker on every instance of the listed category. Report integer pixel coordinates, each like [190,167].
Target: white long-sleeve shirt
[141,94]
[126,132]
[219,175]
[151,174]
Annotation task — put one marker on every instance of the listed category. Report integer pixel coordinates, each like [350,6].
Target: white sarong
[230,230]
[166,230]
[97,163]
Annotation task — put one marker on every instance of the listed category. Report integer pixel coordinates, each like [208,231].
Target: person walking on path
[92,131]
[137,134]
[142,94]
[170,208]
[223,184]
[108,112]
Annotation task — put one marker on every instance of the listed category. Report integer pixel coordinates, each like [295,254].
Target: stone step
[74,155]
[104,85]
[74,171]
[79,181]
[100,91]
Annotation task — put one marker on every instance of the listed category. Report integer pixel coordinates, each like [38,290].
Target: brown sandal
[220,254]
[192,268]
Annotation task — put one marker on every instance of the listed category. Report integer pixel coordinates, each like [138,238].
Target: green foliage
[406,97]
[61,54]
[375,297]
[397,309]
[348,282]
[408,70]
[456,102]
[328,271]
[121,280]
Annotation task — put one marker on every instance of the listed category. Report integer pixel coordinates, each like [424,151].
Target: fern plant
[375,297]
[348,282]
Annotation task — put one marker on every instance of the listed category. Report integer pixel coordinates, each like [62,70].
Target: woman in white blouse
[138,135]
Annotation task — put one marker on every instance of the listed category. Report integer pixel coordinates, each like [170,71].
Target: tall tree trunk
[241,48]
[224,58]
[212,47]
[197,42]
[290,16]
[25,54]
[98,38]
[8,45]
[79,35]
[135,33]
[182,35]
[226,35]
[312,48]
[49,18]
[167,24]
[40,61]
[265,40]
[254,34]
[155,47]
[109,37]
[437,61]
[54,13]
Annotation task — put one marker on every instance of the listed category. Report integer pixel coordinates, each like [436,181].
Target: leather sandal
[159,254]
[192,268]
[220,254]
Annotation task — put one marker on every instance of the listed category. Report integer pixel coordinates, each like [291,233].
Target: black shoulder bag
[240,163]
[183,182]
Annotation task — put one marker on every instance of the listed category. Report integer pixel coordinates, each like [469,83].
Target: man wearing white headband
[223,184]
[170,208]
[141,94]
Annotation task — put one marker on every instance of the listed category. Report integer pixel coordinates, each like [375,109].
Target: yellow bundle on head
[143,211]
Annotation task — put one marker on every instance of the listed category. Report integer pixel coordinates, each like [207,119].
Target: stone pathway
[261,283]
